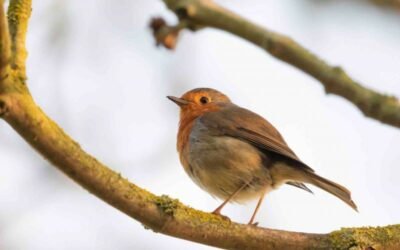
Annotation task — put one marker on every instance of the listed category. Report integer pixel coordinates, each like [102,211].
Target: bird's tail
[330,187]
[301,175]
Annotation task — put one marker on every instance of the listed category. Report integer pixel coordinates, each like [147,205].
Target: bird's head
[199,101]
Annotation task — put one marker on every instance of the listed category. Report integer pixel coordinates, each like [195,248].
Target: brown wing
[245,125]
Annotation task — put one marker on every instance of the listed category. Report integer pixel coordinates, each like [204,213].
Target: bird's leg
[217,211]
[256,210]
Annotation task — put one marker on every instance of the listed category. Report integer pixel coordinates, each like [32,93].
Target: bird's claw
[254,224]
[222,216]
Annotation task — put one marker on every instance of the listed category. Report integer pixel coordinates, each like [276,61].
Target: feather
[299,185]
[240,123]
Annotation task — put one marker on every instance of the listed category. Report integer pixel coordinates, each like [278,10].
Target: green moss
[174,207]
[342,239]
[167,204]
[18,13]
[364,237]
[199,218]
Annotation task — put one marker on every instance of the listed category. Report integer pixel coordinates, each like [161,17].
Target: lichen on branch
[5,52]
[19,12]
[366,238]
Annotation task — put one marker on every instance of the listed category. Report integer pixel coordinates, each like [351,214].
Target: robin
[237,155]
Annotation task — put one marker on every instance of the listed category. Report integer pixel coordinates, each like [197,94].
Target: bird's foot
[254,224]
[221,215]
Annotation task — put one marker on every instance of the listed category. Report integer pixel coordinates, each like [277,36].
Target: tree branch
[395,4]
[161,213]
[166,35]
[206,13]
[19,12]
[4,44]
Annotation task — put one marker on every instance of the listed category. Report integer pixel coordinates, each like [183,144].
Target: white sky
[93,68]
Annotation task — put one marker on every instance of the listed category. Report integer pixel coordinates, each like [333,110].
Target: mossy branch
[4,44]
[19,12]
[206,13]
[161,213]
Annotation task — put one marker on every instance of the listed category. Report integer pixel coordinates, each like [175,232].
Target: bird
[236,155]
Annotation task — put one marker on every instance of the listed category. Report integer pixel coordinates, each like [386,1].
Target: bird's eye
[204,100]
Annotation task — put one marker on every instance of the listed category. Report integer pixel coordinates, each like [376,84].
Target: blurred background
[94,69]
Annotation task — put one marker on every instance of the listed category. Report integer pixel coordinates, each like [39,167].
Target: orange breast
[187,119]
[185,127]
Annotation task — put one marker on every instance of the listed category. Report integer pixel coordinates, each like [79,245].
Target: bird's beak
[179,101]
